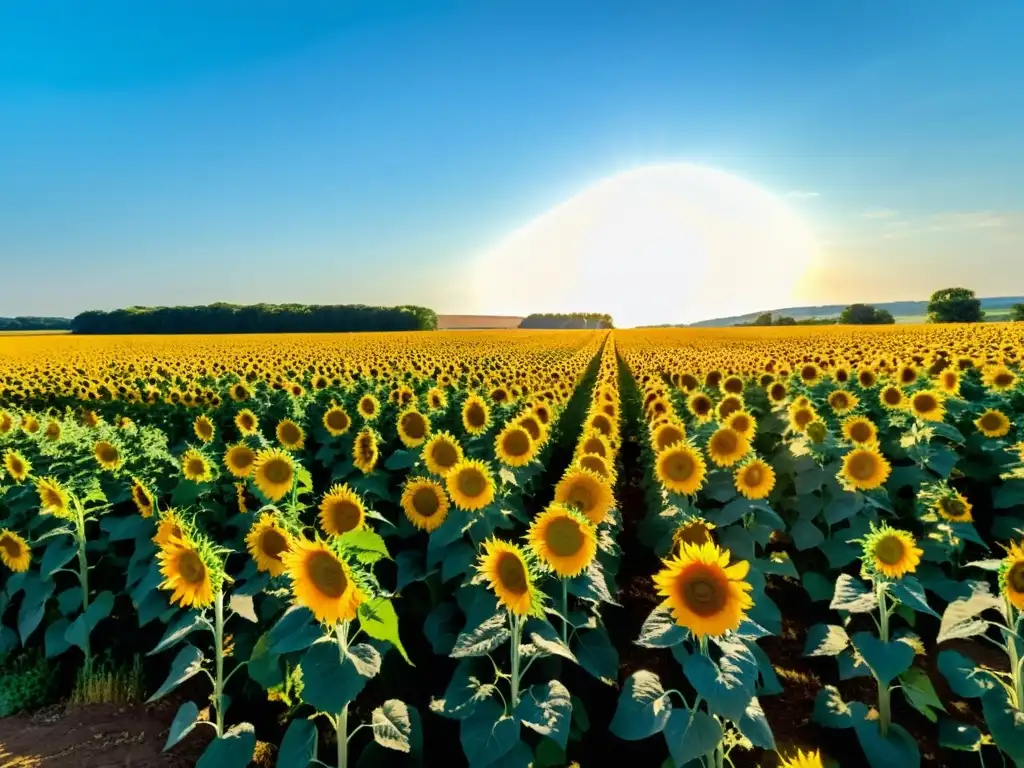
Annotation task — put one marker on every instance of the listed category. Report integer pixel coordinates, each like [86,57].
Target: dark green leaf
[954,735]
[661,631]
[298,748]
[54,639]
[187,623]
[466,690]
[330,680]
[1008,495]
[57,556]
[964,676]
[960,619]
[232,750]
[806,535]
[70,600]
[80,629]
[643,708]
[754,725]
[726,687]
[296,630]
[886,660]
[183,723]
[547,709]
[852,596]
[825,640]
[897,747]
[920,692]
[264,665]
[832,712]
[187,663]
[488,734]
[910,593]
[818,588]
[493,633]
[391,725]
[597,655]
[440,628]
[691,735]
[400,459]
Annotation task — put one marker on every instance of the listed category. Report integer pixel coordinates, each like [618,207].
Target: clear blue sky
[183,152]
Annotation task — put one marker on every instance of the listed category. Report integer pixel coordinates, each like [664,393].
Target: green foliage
[955,305]
[34,324]
[865,314]
[1017,313]
[26,683]
[255,318]
[567,320]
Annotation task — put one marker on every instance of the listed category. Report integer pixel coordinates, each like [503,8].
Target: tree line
[567,320]
[34,323]
[255,318]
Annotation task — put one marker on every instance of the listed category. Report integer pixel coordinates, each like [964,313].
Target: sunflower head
[143,498]
[680,468]
[700,406]
[892,398]
[993,423]
[563,540]
[696,531]
[666,435]
[927,405]
[107,455]
[413,428]
[425,503]
[204,429]
[801,759]
[192,569]
[510,572]
[596,464]
[16,465]
[586,492]
[476,416]
[267,542]
[322,580]
[754,479]
[1011,575]
[170,526]
[954,507]
[470,485]
[239,459]
[514,447]
[53,497]
[290,435]
[864,468]
[777,392]
[890,552]
[336,421]
[195,467]
[368,407]
[729,405]
[1000,378]
[341,511]
[860,430]
[842,402]
[247,422]
[52,431]
[365,452]
[6,422]
[705,594]
[441,453]
[14,551]
[726,447]
[273,472]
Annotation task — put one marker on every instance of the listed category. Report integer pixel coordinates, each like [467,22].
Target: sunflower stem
[1012,619]
[83,578]
[341,724]
[517,636]
[565,611]
[218,684]
[884,694]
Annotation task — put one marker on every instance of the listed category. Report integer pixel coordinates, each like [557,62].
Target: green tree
[765,318]
[955,305]
[865,314]
[783,320]
[1017,313]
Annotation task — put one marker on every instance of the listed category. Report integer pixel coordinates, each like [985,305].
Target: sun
[724,244]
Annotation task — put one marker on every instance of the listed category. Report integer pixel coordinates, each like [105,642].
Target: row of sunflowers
[269,512]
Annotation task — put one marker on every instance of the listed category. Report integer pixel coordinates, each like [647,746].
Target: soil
[96,736]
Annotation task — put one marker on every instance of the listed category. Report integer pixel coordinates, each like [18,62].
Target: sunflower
[892,398]
[239,392]
[803,760]
[999,378]
[245,500]
[697,531]
[53,498]
[413,428]
[906,375]
[476,416]
[505,568]
[436,399]
[107,455]
[927,405]
[729,405]
[733,385]
[513,446]
[322,581]
[470,485]
[273,473]
[538,432]
[170,527]
[891,552]
[755,479]
[563,540]
[681,468]
[52,431]
[290,435]
[700,406]
[817,431]
[704,593]
[842,402]
[369,407]
[597,465]
[267,542]
[365,452]
[6,422]
[949,382]
[441,453]
[425,503]
[589,493]
[810,374]
[247,422]
[336,421]
[664,436]
[341,510]
[29,424]
[743,423]
[1011,575]
[726,447]
[186,569]
[993,423]
[777,393]
[239,459]
[860,430]
[195,467]
[864,468]
[14,551]
[954,507]
[204,429]
[142,497]
[17,466]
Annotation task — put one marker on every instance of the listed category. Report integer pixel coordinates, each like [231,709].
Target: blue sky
[185,152]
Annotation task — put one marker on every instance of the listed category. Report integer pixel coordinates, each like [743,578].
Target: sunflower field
[679,547]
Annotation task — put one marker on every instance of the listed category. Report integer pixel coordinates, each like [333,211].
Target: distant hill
[903,311]
[476,322]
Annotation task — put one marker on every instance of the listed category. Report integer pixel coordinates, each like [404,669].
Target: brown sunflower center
[141,497]
[530,425]
[425,502]
[191,567]
[862,465]
[992,422]
[107,453]
[840,400]
[278,471]
[366,447]
[724,442]
[753,475]
[808,373]
[581,495]
[734,385]
[1003,379]
[678,466]
[701,405]
[471,482]
[861,432]
[247,421]
[891,396]
[415,425]
[1015,577]
[444,454]
[476,417]
[601,423]
[516,442]
[345,515]
[241,457]
[693,533]
[925,403]
[668,435]
[778,391]
[11,546]
[953,507]
[740,422]
[702,591]
[289,433]
[889,550]
[728,407]
[564,537]
[512,573]
[337,420]
[595,464]
[908,376]
[273,543]
[195,467]
[327,574]
[204,428]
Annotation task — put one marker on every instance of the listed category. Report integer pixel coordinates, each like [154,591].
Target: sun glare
[671,243]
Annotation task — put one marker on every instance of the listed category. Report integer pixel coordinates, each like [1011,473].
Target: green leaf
[439,627]
[466,690]
[57,556]
[960,619]
[493,633]
[296,630]
[920,692]
[379,620]
[549,755]
[232,750]
[298,748]
[818,588]
[187,623]
[411,568]
[897,747]
[184,721]
[400,459]
[886,660]
[70,600]
[825,640]
[643,708]
[839,553]
[842,506]
[458,561]
[591,585]
[806,535]
[264,666]
[726,687]
[547,709]
[54,639]
[391,725]
[330,680]
[488,734]
[187,663]
[831,711]
[597,655]
[661,631]
[80,629]
[954,735]
[963,675]
[1005,722]
[365,545]
[754,725]
[33,605]
[852,596]
[910,593]
[691,734]
[941,460]
[1008,495]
